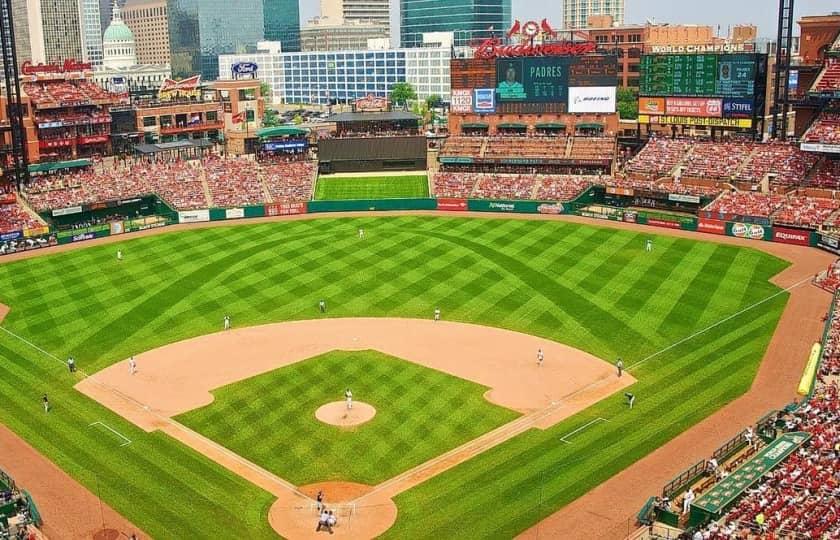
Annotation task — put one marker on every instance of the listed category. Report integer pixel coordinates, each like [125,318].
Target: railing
[166,130]
[683,479]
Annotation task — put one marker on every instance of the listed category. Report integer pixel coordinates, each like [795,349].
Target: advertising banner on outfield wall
[461,101]
[797,237]
[234,213]
[749,231]
[620,191]
[286,209]
[452,205]
[829,243]
[193,216]
[117,227]
[679,197]
[663,223]
[711,226]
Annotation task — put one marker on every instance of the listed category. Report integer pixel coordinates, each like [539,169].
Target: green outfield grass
[589,287]
[421,413]
[371,187]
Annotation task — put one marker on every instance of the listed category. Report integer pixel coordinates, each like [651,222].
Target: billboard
[540,79]
[485,100]
[719,75]
[738,108]
[694,107]
[592,99]
[651,105]
[461,101]
[743,123]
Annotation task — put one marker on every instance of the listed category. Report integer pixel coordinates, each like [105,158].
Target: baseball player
[437,313]
[540,357]
[361,233]
[648,245]
[132,366]
[619,366]
[348,398]
[748,435]
[631,398]
[46,403]
[119,254]
[322,305]
[227,322]
[71,364]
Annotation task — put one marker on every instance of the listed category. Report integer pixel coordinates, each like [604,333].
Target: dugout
[364,154]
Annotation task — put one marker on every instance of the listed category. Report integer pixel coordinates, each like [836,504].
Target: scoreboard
[707,75]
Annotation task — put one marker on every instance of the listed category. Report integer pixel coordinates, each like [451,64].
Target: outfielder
[631,398]
[46,403]
[648,245]
[348,398]
[119,254]
[437,313]
[361,233]
[322,305]
[227,322]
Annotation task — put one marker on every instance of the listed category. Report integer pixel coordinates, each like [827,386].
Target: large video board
[695,75]
[535,84]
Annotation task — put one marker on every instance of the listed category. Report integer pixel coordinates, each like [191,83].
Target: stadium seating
[824,130]
[594,148]
[658,157]
[233,182]
[789,163]
[747,204]
[462,147]
[457,185]
[289,182]
[69,93]
[562,188]
[13,217]
[808,212]
[827,175]
[717,161]
[498,186]
[178,183]
[830,77]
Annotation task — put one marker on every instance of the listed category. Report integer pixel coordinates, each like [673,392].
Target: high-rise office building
[282,23]
[48,30]
[366,11]
[106,12]
[201,30]
[470,20]
[91,31]
[577,12]
[148,21]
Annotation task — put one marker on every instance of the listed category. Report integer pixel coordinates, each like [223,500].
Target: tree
[434,101]
[628,104]
[265,91]
[271,118]
[402,93]
[298,119]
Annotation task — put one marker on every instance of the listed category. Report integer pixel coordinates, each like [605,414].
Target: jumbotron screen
[535,84]
[696,75]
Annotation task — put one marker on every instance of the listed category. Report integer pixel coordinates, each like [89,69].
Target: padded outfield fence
[591,204]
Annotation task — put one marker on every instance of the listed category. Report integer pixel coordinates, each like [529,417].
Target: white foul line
[720,322]
[581,428]
[112,430]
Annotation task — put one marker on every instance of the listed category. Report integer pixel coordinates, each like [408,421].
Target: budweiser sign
[69,65]
[185,85]
[494,48]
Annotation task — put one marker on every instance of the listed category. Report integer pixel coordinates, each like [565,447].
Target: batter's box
[125,441]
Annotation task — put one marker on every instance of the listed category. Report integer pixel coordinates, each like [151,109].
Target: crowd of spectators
[462,147]
[827,175]
[659,157]
[543,187]
[786,161]
[744,203]
[825,129]
[594,148]
[804,211]
[830,79]
[13,217]
[229,181]
[717,160]
[18,520]
[68,92]
[530,147]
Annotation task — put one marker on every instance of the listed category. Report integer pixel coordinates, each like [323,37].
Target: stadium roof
[373,117]
[280,131]
[169,146]
[58,165]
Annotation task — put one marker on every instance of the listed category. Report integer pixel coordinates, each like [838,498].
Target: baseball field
[589,288]
[346,187]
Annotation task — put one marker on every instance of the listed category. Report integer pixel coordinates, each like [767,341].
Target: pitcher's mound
[337,414]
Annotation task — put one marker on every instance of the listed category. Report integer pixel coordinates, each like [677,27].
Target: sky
[712,12]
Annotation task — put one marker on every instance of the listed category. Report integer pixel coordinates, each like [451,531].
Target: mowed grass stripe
[505,273]
[371,187]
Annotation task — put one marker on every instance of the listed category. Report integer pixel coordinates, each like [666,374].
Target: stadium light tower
[781,88]
[16,162]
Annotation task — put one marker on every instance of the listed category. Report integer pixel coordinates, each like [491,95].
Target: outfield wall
[589,204]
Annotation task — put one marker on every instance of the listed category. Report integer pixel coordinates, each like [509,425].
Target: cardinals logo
[531,29]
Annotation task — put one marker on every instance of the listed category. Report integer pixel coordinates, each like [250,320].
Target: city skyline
[710,12]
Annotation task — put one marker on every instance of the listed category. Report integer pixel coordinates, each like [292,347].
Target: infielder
[540,357]
[132,366]
[227,322]
[348,398]
[46,403]
[631,398]
[71,364]
[322,306]
[619,366]
[437,314]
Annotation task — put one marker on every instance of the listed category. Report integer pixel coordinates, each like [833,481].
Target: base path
[180,377]
[68,509]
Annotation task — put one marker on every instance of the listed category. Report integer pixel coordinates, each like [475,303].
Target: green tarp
[474,125]
[281,131]
[58,165]
[728,489]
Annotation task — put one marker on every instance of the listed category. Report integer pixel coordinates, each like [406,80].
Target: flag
[238,118]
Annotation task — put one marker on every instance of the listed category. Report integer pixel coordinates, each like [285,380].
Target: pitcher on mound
[348,398]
